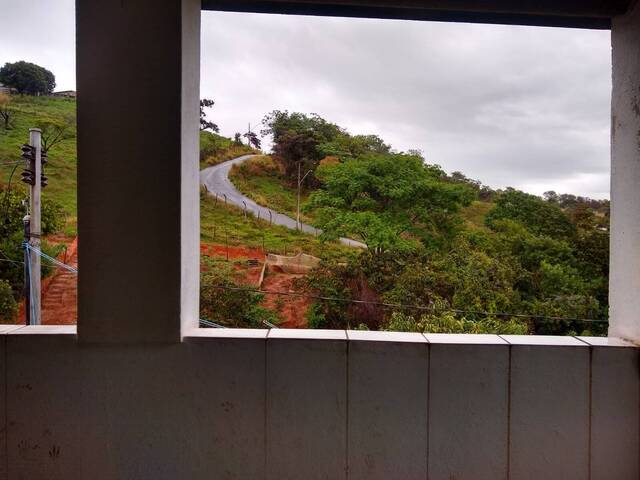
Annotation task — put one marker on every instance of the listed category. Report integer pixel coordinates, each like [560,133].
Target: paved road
[216,179]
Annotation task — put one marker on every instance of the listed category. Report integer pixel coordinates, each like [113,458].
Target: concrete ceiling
[558,13]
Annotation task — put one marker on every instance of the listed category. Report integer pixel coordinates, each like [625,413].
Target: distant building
[65,93]
[7,90]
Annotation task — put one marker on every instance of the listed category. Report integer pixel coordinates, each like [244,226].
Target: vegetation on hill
[262,180]
[227,224]
[446,253]
[215,149]
[51,115]
[27,78]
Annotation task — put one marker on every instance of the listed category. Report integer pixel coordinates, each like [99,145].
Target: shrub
[224,301]
[8,305]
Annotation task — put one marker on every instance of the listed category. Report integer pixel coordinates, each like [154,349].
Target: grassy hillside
[475,214]
[215,149]
[260,180]
[222,223]
[62,166]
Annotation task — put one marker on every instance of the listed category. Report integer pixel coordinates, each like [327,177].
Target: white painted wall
[234,404]
[624,277]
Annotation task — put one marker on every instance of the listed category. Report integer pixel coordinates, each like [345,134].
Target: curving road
[216,180]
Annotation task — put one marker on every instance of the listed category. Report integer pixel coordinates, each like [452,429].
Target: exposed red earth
[60,289]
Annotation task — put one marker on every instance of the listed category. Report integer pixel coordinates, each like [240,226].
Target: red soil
[235,252]
[60,290]
[290,308]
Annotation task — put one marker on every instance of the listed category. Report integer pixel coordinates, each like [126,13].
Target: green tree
[11,235]
[224,301]
[252,139]
[389,201]
[204,123]
[296,138]
[346,147]
[28,78]
[55,131]
[8,305]
[538,216]
[448,322]
[6,111]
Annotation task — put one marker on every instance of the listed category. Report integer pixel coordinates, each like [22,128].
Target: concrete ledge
[464,339]
[43,330]
[249,333]
[306,334]
[398,337]
[606,342]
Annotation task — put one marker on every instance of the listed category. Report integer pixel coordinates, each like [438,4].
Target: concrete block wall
[307,405]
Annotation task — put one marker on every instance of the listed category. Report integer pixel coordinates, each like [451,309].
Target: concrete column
[624,283]
[138,81]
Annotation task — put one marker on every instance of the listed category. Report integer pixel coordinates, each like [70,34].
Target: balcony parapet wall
[309,404]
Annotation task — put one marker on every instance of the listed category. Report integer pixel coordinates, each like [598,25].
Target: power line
[412,307]
[7,259]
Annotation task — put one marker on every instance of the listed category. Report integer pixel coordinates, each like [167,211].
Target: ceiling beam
[594,14]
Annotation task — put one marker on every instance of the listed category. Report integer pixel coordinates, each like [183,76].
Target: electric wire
[50,258]
[411,307]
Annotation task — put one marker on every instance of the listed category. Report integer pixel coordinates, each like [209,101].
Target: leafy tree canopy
[28,78]
[540,217]
[206,124]
[388,200]
[301,139]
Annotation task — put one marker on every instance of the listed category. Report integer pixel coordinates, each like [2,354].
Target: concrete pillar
[138,90]
[624,283]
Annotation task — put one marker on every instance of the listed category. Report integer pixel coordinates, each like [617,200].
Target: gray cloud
[519,106]
[42,32]
[511,106]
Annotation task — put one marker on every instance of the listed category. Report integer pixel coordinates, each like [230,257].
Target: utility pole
[27,273]
[300,180]
[32,175]
[298,202]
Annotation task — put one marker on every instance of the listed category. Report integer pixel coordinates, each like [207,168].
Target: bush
[538,216]
[8,305]
[215,149]
[234,306]
[262,165]
[446,322]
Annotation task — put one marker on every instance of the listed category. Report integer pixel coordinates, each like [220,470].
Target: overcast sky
[511,106]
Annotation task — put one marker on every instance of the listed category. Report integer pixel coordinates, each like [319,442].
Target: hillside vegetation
[445,253]
[47,113]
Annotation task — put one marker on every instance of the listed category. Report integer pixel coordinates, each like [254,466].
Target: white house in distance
[7,90]
[65,94]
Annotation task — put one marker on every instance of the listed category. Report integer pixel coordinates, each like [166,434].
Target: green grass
[475,214]
[62,166]
[221,223]
[215,149]
[268,188]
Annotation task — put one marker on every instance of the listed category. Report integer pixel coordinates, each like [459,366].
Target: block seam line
[428,346]
[347,473]
[509,413]
[590,443]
